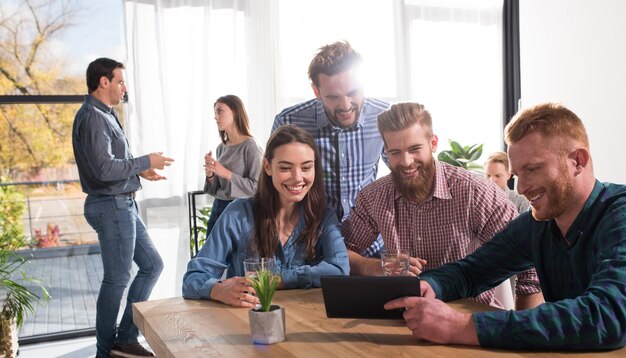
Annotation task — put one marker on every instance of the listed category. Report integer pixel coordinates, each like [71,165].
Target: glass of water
[252,265]
[395,262]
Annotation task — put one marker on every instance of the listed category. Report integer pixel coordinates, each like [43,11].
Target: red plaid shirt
[464,212]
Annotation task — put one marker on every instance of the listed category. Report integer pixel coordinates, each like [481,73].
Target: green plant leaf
[462,156]
[457,148]
[205,212]
[265,284]
[202,217]
[447,157]
[19,299]
[475,152]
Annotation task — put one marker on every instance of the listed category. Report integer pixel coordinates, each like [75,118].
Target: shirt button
[419,238]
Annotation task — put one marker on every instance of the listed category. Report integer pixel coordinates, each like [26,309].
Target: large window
[45,46]
[184,54]
[455,66]
[446,55]
[367,24]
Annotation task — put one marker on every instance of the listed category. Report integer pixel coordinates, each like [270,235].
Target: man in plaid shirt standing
[343,123]
[437,212]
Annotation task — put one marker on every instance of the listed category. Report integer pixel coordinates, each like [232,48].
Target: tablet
[365,296]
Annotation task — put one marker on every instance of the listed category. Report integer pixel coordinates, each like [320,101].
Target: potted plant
[462,156]
[267,323]
[16,300]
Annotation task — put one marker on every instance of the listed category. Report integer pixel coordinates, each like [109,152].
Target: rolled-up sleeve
[106,150]
[360,229]
[246,185]
[217,254]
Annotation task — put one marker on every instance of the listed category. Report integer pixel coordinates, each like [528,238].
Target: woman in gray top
[234,171]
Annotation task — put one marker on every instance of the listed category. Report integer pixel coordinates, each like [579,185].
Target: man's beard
[332,116]
[419,188]
[558,194]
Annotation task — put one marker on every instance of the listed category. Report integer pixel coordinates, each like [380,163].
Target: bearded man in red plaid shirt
[437,212]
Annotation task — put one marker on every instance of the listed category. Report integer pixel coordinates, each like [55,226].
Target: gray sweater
[244,160]
[520,202]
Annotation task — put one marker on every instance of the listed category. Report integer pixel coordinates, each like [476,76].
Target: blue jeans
[123,239]
[216,210]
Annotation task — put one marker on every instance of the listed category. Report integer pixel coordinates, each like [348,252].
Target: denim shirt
[228,245]
[105,164]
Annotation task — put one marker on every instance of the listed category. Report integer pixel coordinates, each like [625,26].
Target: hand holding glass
[252,265]
[395,263]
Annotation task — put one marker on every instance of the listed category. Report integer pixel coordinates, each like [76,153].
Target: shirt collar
[440,187]
[578,227]
[323,121]
[97,103]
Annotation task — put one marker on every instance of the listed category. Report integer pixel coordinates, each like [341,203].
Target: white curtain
[455,66]
[182,56]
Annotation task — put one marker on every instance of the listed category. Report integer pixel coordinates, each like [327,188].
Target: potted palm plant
[267,322]
[16,300]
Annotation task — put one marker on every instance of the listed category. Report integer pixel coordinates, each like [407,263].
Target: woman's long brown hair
[266,203]
[239,113]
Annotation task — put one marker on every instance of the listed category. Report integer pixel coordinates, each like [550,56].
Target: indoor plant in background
[16,300]
[267,322]
[462,156]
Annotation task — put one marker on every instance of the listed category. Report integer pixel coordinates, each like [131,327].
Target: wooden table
[176,327]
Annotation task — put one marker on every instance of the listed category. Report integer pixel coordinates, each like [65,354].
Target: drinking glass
[252,265]
[395,263]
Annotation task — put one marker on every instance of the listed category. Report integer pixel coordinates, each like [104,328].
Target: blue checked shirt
[582,276]
[349,155]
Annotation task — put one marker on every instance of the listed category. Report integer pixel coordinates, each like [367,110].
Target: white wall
[574,52]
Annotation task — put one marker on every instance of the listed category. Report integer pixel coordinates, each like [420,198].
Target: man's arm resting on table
[363,266]
[524,302]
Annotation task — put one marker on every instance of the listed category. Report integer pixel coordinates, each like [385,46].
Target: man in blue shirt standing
[343,123]
[109,174]
[575,237]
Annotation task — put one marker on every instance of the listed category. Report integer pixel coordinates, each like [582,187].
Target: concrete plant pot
[267,327]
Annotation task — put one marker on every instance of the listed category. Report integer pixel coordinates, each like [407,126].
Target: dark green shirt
[582,276]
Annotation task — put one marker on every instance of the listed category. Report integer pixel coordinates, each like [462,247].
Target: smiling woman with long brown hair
[283,221]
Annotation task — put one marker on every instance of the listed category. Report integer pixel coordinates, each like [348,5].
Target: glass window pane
[50,59]
[367,24]
[39,185]
[456,72]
